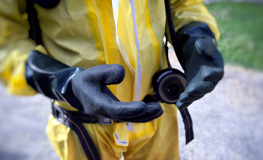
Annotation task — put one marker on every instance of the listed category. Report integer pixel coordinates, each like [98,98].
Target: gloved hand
[86,89]
[202,62]
[90,88]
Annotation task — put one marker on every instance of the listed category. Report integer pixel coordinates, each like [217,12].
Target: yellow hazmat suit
[88,33]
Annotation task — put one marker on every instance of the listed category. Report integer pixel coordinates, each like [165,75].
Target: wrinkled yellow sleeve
[14,46]
[186,11]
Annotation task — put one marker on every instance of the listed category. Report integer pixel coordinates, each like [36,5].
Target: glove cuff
[52,78]
[188,34]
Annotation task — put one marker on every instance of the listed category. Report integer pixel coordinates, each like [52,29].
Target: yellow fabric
[84,34]
[14,47]
[17,83]
[153,140]
[186,11]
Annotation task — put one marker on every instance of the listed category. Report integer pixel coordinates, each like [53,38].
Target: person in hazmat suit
[96,61]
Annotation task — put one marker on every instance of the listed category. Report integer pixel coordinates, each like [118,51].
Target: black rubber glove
[202,62]
[86,89]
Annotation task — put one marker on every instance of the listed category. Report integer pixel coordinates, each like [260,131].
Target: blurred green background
[241,27]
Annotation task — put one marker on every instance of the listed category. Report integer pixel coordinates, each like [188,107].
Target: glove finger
[119,110]
[200,89]
[182,105]
[154,111]
[106,104]
[212,74]
[150,118]
[185,97]
[104,74]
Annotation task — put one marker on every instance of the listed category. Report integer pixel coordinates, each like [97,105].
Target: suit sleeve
[186,11]
[15,45]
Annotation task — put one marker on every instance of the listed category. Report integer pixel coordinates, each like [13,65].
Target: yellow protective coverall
[86,33]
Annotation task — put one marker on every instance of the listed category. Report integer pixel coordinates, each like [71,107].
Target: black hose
[173,34]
